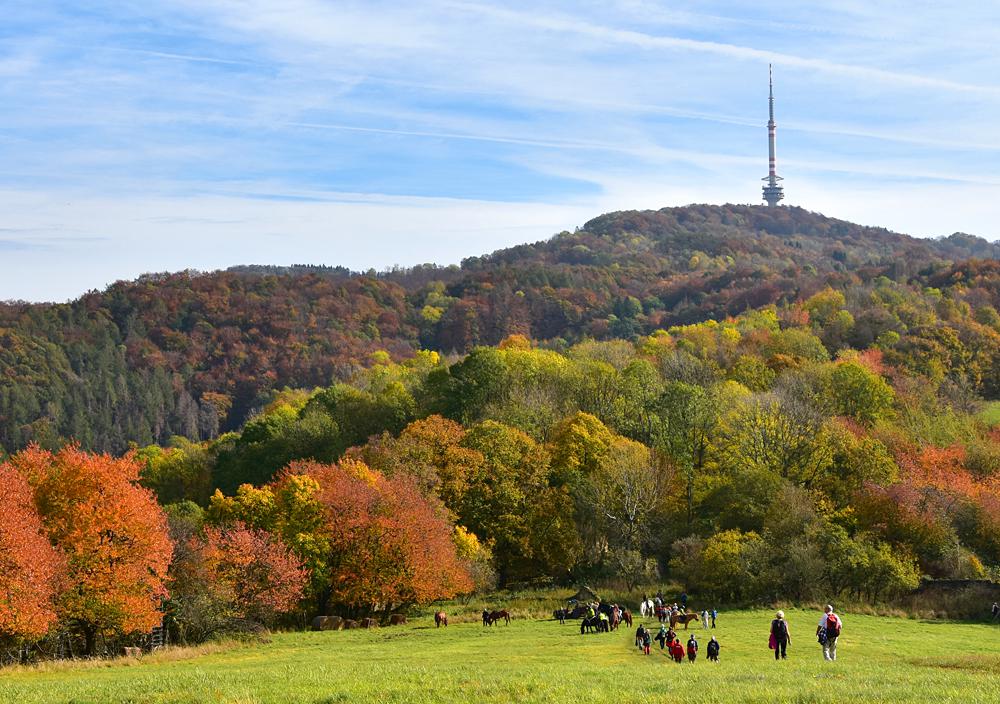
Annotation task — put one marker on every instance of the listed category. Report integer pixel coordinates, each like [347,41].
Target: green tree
[776,434]
[860,393]
[182,471]
[497,504]
[689,416]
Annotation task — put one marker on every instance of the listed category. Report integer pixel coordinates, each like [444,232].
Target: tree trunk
[690,498]
[89,639]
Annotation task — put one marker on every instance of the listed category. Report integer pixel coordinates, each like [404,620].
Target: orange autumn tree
[112,532]
[390,545]
[30,568]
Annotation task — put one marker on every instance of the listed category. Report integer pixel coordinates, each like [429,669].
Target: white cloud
[162,128]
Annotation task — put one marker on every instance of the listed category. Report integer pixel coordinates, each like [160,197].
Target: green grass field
[881,660]
[990,413]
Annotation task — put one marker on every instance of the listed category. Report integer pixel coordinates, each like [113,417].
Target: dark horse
[627,617]
[594,624]
[497,616]
[440,619]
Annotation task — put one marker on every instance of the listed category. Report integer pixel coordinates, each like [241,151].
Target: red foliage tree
[940,468]
[112,532]
[253,570]
[390,545]
[30,568]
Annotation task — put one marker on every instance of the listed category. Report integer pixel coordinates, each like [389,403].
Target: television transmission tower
[772,191]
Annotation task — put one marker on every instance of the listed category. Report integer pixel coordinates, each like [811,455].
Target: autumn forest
[759,404]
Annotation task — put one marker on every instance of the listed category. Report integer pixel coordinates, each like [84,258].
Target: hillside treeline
[834,445]
[766,430]
[194,355]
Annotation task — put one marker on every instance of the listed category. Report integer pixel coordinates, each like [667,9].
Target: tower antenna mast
[772,191]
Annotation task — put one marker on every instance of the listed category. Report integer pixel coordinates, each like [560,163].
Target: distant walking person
[781,637]
[704,619]
[684,600]
[677,650]
[715,614]
[996,611]
[828,631]
[692,648]
[713,649]
[661,637]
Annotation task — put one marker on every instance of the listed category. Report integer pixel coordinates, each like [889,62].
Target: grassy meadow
[881,659]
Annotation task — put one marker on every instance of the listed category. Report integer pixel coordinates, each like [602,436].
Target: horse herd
[337,623]
[491,617]
[607,618]
[663,614]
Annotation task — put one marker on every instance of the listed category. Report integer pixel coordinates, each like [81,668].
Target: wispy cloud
[201,133]
[642,40]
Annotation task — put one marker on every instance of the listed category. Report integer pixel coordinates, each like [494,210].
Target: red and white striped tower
[772,191]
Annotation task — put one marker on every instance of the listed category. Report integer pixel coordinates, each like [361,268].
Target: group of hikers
[828,628]
[669,641]
[827,633]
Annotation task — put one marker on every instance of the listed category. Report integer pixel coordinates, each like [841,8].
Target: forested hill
[193,354]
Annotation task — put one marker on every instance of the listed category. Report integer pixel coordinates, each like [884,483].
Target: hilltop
[193,353]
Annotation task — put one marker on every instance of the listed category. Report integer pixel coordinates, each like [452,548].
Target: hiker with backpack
[692,649]
[781,637]
[640,636]
[713,649]
[828,631]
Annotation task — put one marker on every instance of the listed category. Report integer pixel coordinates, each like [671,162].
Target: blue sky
[155,135]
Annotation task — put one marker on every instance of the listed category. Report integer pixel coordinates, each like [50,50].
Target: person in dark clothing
[640,636]
[661,636]
[692,649]
[684,600]
[781,635]
[713,649]
[996,611]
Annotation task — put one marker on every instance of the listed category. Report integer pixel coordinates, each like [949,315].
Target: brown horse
[676,618]
[496,616]
[440,619]
[627,617]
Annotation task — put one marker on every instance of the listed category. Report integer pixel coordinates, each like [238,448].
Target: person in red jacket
[692,648]
[677,650]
